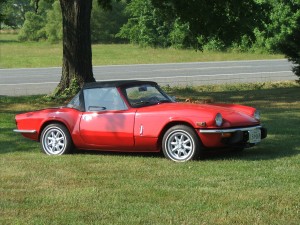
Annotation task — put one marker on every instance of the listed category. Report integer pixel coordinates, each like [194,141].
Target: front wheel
[180,143]
[56,140]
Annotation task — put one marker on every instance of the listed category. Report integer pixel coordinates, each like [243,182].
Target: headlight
[219,119]
[256,115]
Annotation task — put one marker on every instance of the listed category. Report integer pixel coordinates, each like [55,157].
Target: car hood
[233,115]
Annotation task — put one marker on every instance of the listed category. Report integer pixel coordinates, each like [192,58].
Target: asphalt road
[31,81]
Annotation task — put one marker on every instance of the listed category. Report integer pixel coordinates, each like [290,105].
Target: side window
[99,99]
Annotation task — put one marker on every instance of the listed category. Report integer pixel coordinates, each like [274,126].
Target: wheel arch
[48,122]
[167,127]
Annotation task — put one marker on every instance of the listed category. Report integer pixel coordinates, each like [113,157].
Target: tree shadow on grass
[3,41]
[287,94]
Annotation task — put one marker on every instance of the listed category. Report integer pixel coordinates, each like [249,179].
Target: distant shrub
[179,34]
[290,46]
[33,28]
[215,45]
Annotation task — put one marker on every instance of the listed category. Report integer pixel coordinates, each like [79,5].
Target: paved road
[44,80]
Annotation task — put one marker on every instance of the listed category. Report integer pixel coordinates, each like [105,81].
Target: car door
[107,122]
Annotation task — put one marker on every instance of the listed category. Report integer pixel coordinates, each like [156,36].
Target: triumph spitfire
[138,116]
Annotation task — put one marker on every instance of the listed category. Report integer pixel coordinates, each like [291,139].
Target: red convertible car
[137,116]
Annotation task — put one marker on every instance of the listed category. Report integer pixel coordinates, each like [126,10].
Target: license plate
[254,136]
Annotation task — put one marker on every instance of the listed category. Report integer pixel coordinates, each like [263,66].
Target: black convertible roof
[116,83]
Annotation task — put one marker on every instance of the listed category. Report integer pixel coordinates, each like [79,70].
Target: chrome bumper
[25,131]
[231,130]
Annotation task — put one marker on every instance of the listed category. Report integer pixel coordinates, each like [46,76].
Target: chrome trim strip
[25,131]
[141,130]
[220,131]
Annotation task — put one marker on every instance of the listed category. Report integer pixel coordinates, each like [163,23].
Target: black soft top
[116,83]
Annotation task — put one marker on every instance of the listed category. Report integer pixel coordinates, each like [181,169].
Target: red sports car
[137,116]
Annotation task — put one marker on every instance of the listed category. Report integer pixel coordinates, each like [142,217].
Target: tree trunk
[77,52]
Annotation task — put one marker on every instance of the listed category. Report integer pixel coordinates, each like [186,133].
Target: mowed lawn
[257,186]
[15,54]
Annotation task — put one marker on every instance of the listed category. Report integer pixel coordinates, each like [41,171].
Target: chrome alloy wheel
[54,141]
[180,145]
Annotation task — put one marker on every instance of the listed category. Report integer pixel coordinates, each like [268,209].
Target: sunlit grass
[15,54]
[258,186]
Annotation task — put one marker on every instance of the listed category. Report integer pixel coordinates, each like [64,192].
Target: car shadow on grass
[12,142]
[116,153]
[252,154]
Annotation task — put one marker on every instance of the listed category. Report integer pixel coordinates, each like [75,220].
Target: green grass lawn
[257,186]
[15,54]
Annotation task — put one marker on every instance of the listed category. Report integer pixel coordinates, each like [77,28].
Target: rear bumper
[25,131]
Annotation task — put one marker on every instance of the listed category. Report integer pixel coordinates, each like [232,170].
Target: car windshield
[75,102]
[146,94]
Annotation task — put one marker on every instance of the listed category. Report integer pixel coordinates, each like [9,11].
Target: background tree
[279,20]
[151,26]
[46,23]
[290,46]
[77,52]
[13,12]
[2,14]
[105,24]
[180,23]
[53,26]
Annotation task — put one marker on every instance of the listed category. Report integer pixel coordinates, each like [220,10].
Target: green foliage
[53,26]
[105,24]
[214,45]
[179,34]
[144,26]
[244,45]
[46,23]
[36,19]
[33,28]
[13,12]
[290,46]
[240,26]
[150,26]
[280,20]
[67,93]
[253,25]
[213,25]
[217,24]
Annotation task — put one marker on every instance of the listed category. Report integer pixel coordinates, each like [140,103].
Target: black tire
[56,140]
[180,143]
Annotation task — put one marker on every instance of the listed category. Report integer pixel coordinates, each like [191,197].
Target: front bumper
[232,137]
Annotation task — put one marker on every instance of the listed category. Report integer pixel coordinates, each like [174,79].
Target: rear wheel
[180,143]
[56,140]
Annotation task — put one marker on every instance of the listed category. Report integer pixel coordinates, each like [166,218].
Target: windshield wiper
[164,101]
